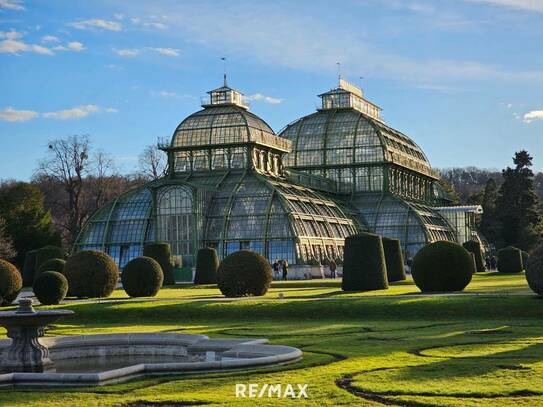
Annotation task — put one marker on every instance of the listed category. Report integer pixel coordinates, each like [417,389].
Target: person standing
[275,268]
[332,267]
[285,269]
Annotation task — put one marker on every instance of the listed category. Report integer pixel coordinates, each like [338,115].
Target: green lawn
[393,347]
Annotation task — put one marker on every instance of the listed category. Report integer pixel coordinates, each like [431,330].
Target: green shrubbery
[510,260]
[534,270]
[142,277]
[11,283]
[207,264]
[475,248]
[47,253]
[91,274]
[525,258]
[244,273]
[394,259]
[161,252]
[52,265]
[50,287]
[364,266]
[442,266]
[29,268]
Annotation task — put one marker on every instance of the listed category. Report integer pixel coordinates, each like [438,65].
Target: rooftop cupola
[349,96]
[225,96]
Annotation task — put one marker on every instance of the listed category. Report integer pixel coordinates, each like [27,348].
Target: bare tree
[152,163]
[7,251]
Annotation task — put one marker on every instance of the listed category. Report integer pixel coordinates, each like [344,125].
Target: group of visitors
[280,269]
[491,262]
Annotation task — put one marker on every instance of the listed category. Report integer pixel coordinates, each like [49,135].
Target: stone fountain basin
[175,353]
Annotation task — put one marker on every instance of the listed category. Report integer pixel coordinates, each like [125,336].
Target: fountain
[30,359]
[25,325]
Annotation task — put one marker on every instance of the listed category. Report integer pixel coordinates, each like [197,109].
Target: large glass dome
[332,137]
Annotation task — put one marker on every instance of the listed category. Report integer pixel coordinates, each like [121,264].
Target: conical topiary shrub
[475,248]
[393,259]
[161,252]
[11,283]
[207,264]
[442,266]
[510,260]
[364,266]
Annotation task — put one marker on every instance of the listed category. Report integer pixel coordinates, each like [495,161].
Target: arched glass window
[176,220]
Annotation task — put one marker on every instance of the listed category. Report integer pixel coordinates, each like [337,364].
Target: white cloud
[135,20]
[533,116]
[259,97]
[159,26]
[526,5]
[97,23]
[9,114]
[119,16]
[12,4]
[127,52]
[38,49]
[111,110]
[76,46]
[10,35]
[74,113]
[13,47]
[169,52]
[49,38]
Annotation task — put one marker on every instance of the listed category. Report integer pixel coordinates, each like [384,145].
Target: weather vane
[338,71]
[224,70]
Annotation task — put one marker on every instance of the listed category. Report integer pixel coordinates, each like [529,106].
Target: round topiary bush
[442,266]
[29,268]
[475,248]
[47,253]
[207,264]
[52,265]
[394,259]
[244,273]
[534,271]
[161,252]
[510,260]
[11,283]
[142,277]
[50,287]
[91,274]
[364,265]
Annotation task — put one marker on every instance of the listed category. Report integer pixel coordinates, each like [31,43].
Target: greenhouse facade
[233,184]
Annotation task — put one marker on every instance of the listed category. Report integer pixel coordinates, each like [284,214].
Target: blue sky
[463,78]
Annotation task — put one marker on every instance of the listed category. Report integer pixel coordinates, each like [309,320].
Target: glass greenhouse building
[233,184]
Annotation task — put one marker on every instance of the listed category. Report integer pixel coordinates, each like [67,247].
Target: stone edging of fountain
[234,354]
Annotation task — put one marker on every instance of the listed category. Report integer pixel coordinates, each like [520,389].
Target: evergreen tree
[27,222]
[7,252]
[517,204]
[490,225]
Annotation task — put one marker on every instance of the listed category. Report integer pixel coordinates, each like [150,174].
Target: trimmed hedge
[29,268]
[442,266]
[510,260]
[47,253]
[161,252]
[475,248]
[244,273]
[474,261]
[91,274]
[50,287]
[207,264]
[534,270]
[364,265]
[142,277]
[394,259]
[52,265]
[11,283]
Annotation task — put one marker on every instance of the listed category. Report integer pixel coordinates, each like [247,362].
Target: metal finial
[338,72]
[225,83]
